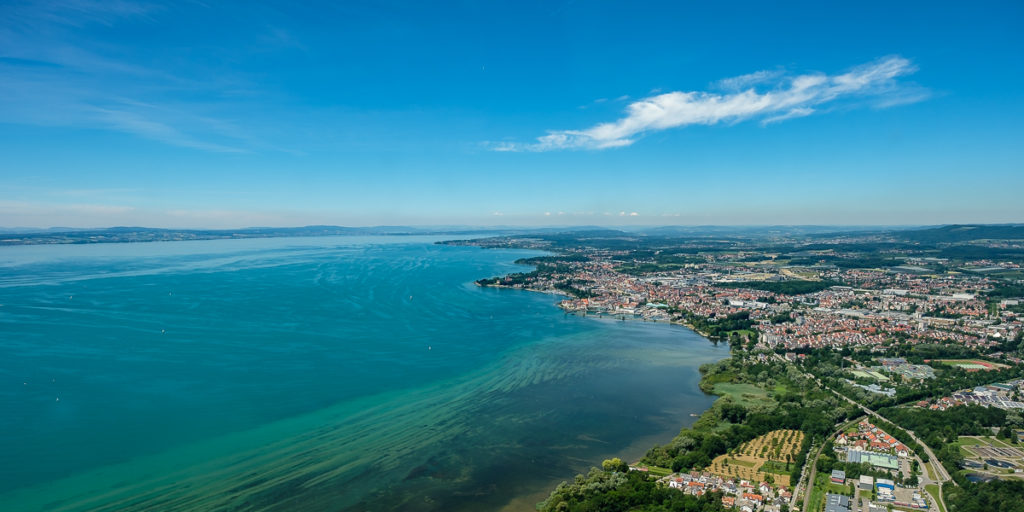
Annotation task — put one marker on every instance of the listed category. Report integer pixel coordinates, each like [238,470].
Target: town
[888,324]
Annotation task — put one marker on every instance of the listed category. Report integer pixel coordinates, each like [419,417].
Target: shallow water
[290,374]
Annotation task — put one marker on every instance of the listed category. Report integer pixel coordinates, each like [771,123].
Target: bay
[362,373]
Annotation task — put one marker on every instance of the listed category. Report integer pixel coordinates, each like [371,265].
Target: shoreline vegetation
[691,326]
[750,405]
[758,395]
[769,397]
[550,271]
[552,264]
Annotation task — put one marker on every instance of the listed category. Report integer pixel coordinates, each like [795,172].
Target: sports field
[973,364]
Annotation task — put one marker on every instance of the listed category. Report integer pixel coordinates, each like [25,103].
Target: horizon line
[26,229]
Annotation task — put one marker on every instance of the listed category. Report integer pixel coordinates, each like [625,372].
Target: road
[807,480]
[943,476]
[940,471]
[814,467]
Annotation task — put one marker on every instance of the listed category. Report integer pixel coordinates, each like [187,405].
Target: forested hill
[561,238]
[958,233]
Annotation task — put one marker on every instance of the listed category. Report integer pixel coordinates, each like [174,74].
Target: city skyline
[235,115]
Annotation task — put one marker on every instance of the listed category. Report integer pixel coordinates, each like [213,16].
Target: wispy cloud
[138,124]
[766,95]
[793,113]
[750,79]
[30,14]
[55,72]
[15,213]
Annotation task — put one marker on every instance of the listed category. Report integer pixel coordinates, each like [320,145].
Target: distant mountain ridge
[143,234]
[956,233]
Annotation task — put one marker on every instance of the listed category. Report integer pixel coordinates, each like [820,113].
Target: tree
[1004,433]
[615,464]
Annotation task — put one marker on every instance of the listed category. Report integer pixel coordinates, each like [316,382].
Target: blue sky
[517,113]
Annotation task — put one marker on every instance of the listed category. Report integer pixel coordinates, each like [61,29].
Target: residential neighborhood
[891,328]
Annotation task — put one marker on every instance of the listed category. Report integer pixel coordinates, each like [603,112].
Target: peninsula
[868,370]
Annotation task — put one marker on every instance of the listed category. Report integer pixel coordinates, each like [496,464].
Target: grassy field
[720,377]
[740,462]
[823,484]
[810,276]
[962,442]
[746,395]
[970,441]
[742,332]
[817,495]
[984,441]
[977,364]
[999,442]
[778,468]
[658,471]
[934,491]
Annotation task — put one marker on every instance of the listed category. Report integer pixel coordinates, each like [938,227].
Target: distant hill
[953,234]
[752,231]
[958,233]
[121,234]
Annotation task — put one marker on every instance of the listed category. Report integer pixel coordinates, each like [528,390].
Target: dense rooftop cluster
[926,327]
[870,308]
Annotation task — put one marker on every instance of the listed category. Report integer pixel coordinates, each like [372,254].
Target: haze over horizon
[508,227]
[543,114]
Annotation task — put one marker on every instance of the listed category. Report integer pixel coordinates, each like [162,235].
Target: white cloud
[739,82]
[788,98]
[796,112]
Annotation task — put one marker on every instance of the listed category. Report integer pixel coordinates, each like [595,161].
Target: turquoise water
[315,373]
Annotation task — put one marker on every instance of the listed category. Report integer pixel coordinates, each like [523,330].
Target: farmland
[770,454]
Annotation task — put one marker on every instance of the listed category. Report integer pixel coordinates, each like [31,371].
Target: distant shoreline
[687,325]
[527,498]
[119,234]
[143,235]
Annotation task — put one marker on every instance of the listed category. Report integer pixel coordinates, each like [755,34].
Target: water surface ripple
[310,374]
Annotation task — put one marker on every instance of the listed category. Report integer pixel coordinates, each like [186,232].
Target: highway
[942,475]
